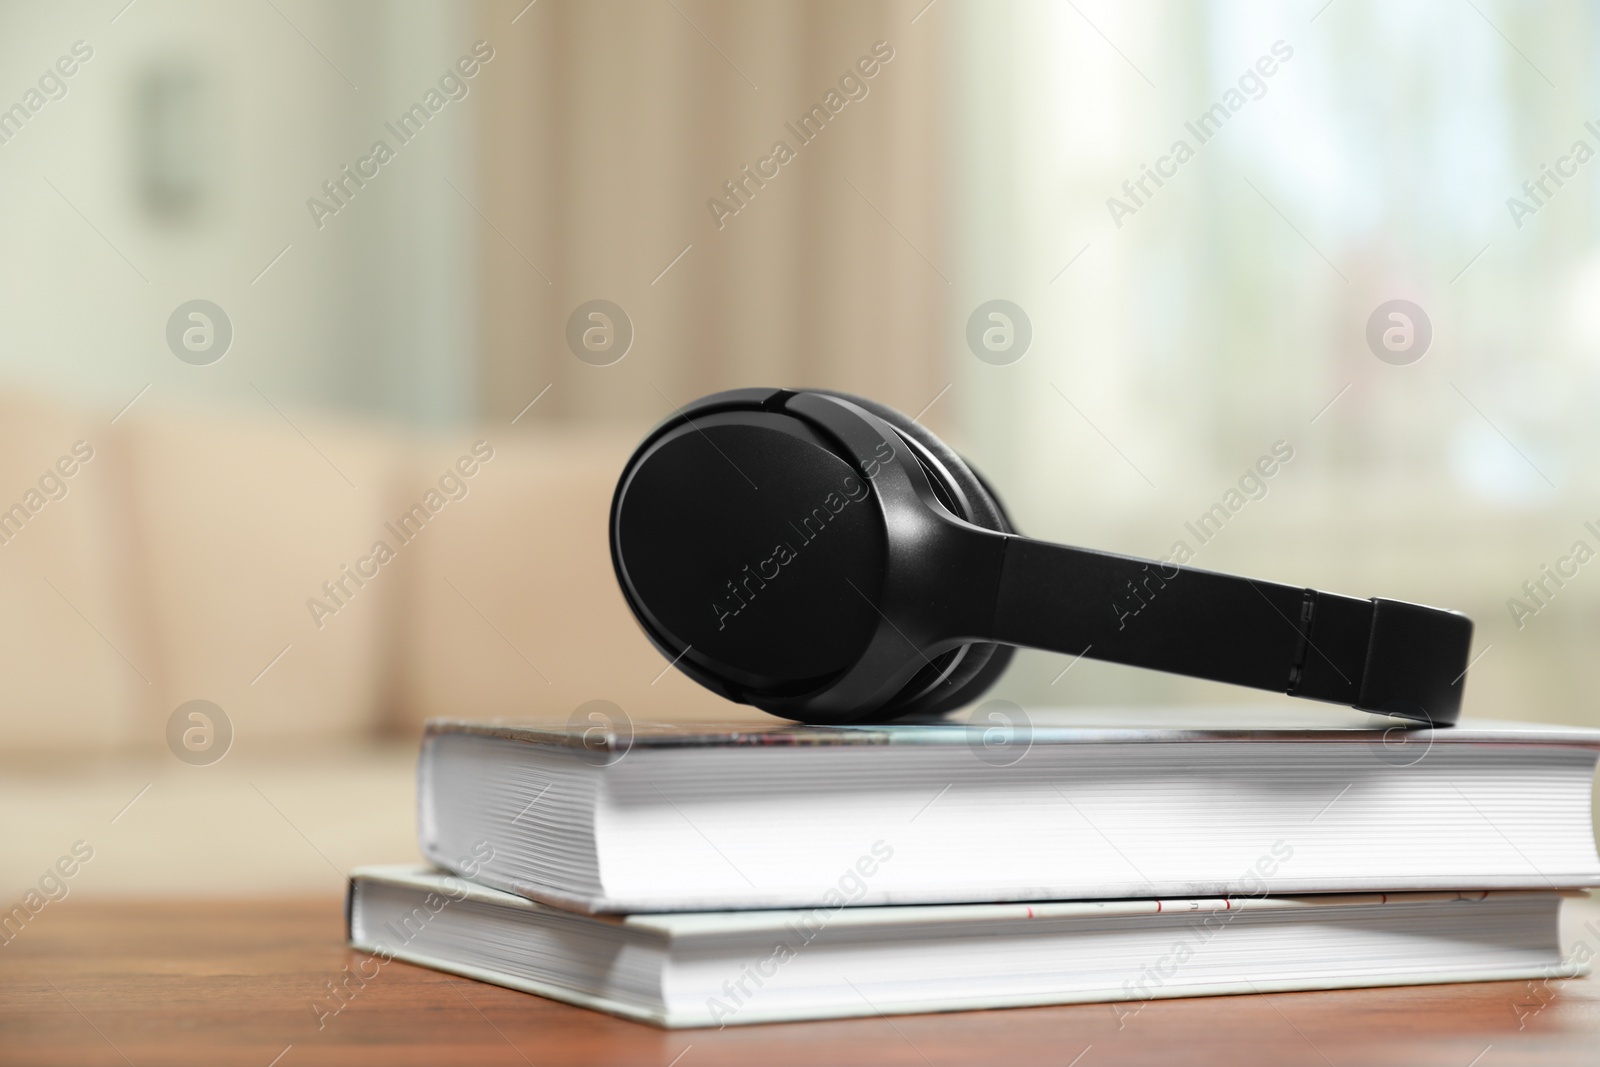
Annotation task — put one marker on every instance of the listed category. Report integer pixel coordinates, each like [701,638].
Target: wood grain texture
[231,982]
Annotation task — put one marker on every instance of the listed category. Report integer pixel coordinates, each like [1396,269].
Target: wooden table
[218,983]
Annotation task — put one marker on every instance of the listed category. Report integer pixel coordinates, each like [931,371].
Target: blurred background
[275,267]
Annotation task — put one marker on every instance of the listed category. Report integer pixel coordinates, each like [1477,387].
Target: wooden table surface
[231,982]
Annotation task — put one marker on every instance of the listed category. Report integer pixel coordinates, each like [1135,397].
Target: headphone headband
[1378,655]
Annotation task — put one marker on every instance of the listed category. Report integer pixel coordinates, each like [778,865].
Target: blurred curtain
[612,125]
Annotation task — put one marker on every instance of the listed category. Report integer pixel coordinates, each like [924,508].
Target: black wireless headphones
[829,560]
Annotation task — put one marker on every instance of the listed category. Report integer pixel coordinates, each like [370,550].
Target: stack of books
[701,876]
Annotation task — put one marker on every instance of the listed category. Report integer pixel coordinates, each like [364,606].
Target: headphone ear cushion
[976,502]
[979,664]
[966,686]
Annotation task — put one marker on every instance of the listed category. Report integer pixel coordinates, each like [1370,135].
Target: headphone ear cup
[958,677]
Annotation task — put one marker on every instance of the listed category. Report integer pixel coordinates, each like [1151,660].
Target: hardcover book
[727,968]
[1070,807]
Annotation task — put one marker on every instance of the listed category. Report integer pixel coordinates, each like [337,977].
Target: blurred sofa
[192,557]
